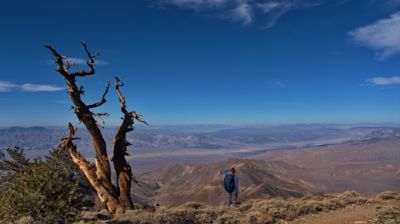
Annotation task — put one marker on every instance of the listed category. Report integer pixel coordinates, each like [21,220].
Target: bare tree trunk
[109,199]
[121,165]
[99,175]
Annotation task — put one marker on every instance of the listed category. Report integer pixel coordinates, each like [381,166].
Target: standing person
[231,185]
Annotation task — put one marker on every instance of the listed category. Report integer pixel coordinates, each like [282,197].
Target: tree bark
[121,165]
[116,199]
[111,203]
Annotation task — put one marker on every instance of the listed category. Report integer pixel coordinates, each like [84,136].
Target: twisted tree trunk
[116,199]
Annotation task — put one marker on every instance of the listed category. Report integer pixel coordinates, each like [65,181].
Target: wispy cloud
[243,11]
[81,61]
[384,81]
[40,88]
[267,7]
[28,87]
[6,86]
[383,36]
[195,4]
[279,84]
[275,10]
[73,61]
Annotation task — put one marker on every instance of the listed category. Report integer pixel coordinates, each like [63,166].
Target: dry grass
[388,215]
[253,211]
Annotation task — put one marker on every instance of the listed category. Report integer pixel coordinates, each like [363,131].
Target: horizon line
[222,124]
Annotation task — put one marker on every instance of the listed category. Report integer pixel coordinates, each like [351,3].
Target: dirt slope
[364,166]
[180,183]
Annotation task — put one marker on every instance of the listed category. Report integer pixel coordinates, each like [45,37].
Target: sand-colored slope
[364,166]
[179,183]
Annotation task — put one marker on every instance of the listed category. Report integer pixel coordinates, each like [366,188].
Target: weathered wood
[116,199]
[111,203]
[121,165]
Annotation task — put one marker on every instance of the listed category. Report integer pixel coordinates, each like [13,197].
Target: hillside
[370,165]
[177,184]
[348,207]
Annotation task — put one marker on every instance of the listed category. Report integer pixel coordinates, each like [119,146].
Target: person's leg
[230,199]
[234,198]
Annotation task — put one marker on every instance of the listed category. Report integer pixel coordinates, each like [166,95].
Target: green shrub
[50,190]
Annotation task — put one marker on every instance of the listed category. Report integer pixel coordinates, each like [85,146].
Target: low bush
[50,190]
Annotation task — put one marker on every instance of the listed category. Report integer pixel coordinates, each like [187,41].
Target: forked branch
[116,199]
[100,174]
[133,114]
[90,63]
[61,67]
[89,170]
[103,98]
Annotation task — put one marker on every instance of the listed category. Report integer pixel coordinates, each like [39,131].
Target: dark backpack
[229,183]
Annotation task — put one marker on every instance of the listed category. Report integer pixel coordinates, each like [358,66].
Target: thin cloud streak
[73,61]
[40,88]
[6,86]
[81,61]
[194,4]
[28,87]
[384,81]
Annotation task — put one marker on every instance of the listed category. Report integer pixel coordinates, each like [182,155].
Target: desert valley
[200,112]
[179,165]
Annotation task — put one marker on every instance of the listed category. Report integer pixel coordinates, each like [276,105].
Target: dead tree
[116,198]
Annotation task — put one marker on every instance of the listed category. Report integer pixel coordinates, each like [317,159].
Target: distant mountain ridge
[366,159]
[369,165]
[40,138]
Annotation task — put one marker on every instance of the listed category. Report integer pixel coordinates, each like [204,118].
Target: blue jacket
[236,190]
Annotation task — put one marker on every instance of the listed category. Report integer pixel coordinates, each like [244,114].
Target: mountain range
[175,166]
[41,138]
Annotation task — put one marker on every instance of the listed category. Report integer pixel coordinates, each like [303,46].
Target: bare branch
[101,114]
[121,165]
[81,90]
[103,98]
[133,114]
[68,140]
[54,51]
[119,83]
[138,117]
[61,68]
[90,63]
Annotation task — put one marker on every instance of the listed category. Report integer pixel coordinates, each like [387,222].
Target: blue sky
[206,61]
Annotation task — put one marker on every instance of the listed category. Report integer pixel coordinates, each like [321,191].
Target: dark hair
[233,170]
